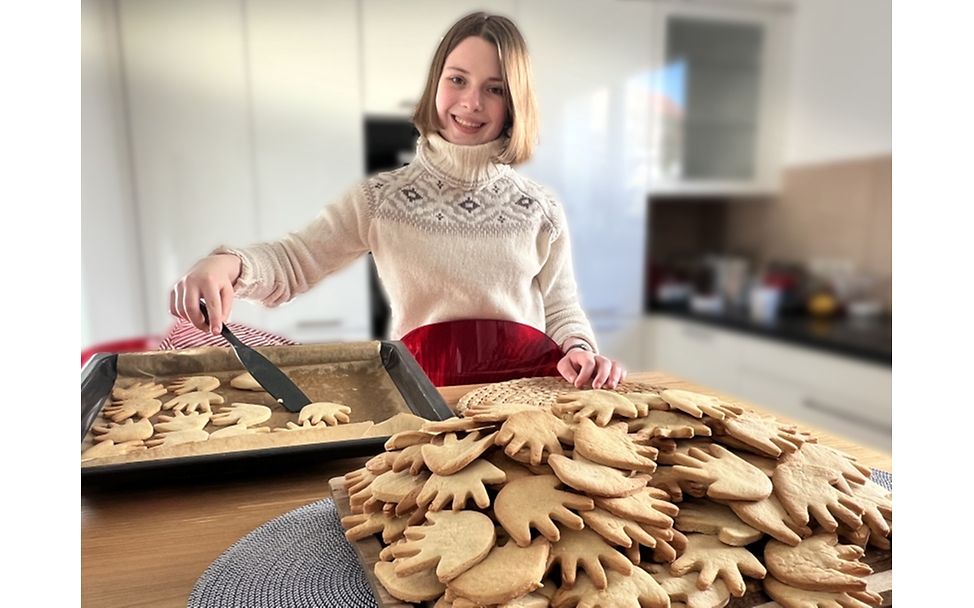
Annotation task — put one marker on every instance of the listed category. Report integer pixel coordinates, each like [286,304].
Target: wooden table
[147,545]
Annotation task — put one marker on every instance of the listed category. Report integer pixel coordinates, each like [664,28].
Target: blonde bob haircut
[522,123]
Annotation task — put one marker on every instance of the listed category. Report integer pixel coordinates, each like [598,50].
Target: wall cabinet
[717,97]
[839,394]
[245,120]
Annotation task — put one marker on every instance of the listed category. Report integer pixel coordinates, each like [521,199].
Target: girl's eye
[456,79]
[496,90]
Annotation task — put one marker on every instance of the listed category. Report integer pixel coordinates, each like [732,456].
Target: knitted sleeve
[274,272]
[564,317]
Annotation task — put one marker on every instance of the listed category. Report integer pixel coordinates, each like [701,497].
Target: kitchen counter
[146,544]
[868,339]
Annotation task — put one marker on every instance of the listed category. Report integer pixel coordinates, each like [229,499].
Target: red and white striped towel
[184,335]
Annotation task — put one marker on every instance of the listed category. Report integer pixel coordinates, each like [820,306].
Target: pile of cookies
[133,421]
[653,499]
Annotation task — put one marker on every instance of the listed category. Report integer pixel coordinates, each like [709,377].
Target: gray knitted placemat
[302,559]
[298,559]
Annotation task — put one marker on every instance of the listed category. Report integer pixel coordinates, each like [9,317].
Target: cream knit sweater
[455,235]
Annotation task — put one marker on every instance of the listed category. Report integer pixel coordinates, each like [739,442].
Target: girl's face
[471,101]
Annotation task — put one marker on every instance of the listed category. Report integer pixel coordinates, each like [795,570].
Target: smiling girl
[456,234]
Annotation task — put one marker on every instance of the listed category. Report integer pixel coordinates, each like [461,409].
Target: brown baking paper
[348,373]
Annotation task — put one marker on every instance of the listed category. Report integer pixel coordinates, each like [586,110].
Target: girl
[456,234]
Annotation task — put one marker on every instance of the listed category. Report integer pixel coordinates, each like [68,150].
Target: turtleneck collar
[464,166]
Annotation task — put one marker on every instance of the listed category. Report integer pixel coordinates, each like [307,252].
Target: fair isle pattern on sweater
[418,196]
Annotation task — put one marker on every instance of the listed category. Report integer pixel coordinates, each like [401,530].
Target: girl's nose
[472,99]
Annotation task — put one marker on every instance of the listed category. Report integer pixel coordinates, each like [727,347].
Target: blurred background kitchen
[725,165]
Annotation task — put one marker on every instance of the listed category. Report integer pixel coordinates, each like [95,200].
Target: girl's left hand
[579,366]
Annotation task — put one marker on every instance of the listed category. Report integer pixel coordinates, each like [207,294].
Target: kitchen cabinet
[398,42]
[244,120]
[717,97]
[842,395]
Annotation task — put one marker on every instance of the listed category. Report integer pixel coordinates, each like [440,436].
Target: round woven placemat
[535,391]
[298,559]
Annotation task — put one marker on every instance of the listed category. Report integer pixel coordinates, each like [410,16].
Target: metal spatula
[268,375]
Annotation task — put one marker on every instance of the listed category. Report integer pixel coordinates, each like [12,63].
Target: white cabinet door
[398,42]
[700,354]
[303,61]
[192,151]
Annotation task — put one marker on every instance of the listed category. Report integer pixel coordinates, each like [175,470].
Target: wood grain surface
[145,542]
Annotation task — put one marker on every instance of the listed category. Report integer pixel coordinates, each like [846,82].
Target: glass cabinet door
[711,94]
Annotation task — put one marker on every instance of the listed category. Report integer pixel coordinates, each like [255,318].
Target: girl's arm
[566,322]
[274,272]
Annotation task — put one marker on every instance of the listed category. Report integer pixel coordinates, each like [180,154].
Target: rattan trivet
[540,391]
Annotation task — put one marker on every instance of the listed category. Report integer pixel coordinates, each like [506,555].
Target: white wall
[841,81]
[109,238]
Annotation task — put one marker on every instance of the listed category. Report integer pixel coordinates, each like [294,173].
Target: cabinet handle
[319,324]
[698,334]
[838,412]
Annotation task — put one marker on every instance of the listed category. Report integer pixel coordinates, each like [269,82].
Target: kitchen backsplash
[833,211]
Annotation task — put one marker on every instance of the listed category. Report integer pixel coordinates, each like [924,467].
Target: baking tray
[382,375]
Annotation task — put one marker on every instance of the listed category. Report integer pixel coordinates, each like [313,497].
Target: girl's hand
[212,279]
[578,366]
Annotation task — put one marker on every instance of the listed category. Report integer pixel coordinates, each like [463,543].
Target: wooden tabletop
[146,544]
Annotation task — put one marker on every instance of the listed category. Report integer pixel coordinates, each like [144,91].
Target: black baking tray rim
[99,373]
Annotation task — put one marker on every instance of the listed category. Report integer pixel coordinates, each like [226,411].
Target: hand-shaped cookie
[435,544]
[177,438]
[684,588]
[805,489]
[498,412]
[108,447]
[142,407]
[459,487]
[677,425]
[726,475]
[598,404]
[247,414]
[246,382]
[395,487]
[139,390]
[592,478]
[304,426]
[509,571]
[366,524]
[324,411]
[456,425]
[358,485]
[819,562]
[535,502]
[764,433]
[587,549]
[708,517]
[613,446]
[447,454]
[637,590]
[120,433]
[878,503]
[830,458]
[539,431]
[191,402]
[236,430]
[793,597]
[409,458]
[618,530]
[647,402]
[768,516]
[191,421]
[713,558]
[188,384]
[649,505]
[415,588]
[698,404]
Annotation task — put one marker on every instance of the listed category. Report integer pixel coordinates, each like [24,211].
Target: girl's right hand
[212,279]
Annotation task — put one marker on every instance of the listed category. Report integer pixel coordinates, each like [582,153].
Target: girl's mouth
[465,126]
